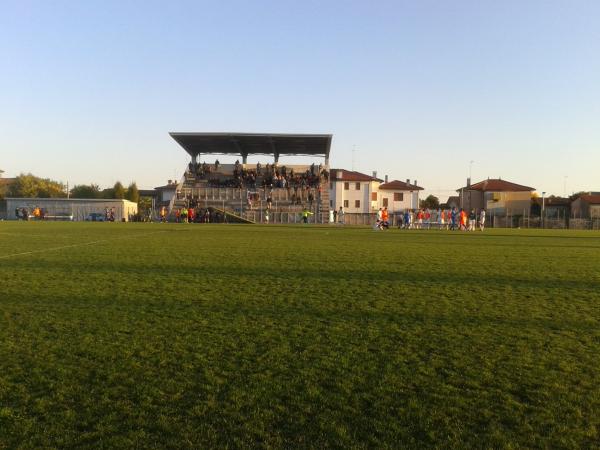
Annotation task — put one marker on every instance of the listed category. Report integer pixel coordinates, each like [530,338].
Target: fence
[521,221]
[503,221]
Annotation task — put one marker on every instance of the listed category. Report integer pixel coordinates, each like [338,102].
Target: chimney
[374,174]
[415,183]
[170,181]
[339,174]
[468,182]
[408,181]
[386,178]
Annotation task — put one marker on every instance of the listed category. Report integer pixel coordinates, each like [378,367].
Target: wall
[511,202]
[80,208]
[338,194]
[406,203]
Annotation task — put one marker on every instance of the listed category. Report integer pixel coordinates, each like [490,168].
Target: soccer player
[385,218]
[472,220]
[482,219]
[463,220]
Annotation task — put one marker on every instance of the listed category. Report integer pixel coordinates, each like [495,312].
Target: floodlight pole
[543,205]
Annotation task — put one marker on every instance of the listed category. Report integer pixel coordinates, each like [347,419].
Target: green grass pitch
[203,336]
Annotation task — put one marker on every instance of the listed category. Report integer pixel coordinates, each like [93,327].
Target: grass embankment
[156,335]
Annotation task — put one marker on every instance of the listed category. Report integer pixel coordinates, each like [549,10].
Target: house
[398,195]
[554,207]
[164,194]
[452,202]
[354,191]
[586,206]
[497,196]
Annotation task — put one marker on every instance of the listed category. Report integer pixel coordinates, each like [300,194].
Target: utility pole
[543,205]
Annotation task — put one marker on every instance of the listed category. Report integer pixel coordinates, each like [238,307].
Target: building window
[346,186]
[385,202]
[373,196]
[398,196]
[345,203]
[357,203]
[331,185]
[358,186]
[331,203]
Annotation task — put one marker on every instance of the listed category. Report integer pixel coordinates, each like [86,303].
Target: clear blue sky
[90,90]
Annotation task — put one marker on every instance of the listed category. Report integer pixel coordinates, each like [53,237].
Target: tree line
[30,186]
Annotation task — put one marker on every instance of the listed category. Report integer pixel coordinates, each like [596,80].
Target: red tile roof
[591,199]
[397,185]
[496,185]
[349,175]
[552,201]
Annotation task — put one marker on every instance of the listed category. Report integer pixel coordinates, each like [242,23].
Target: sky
[90,90]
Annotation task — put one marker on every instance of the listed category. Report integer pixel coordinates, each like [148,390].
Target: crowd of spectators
[269,176]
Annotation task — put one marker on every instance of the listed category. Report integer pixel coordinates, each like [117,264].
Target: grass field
[198,336]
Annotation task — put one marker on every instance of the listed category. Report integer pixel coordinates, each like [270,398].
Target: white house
[356,192]
[398,195]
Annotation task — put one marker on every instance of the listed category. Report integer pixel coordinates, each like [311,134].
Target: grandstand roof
[245,144]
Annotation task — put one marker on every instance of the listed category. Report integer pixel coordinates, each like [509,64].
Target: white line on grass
[45,250]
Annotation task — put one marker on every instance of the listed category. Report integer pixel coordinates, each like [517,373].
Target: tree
[107,193]
[144,204]
[431,202]
[31,186]
[133,194]
[85,191]
[118,190]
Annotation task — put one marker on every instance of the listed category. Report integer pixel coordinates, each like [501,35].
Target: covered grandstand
[274,192]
